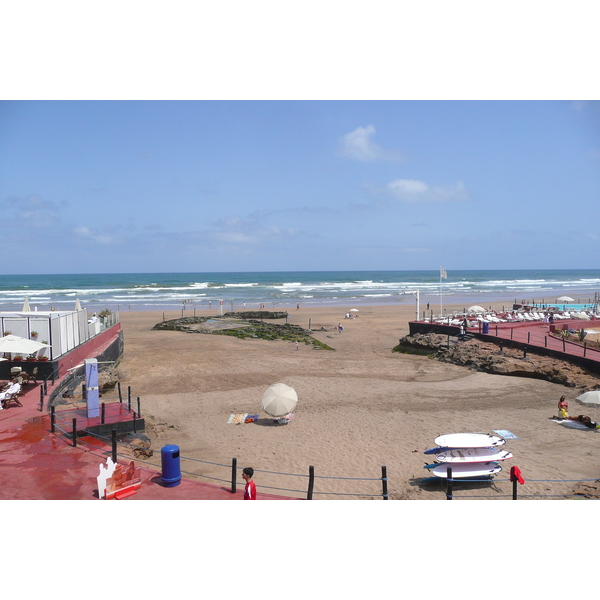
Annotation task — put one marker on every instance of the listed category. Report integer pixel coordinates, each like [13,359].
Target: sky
[149,186]
[154,148]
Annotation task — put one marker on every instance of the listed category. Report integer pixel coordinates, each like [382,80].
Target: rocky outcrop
[490,358]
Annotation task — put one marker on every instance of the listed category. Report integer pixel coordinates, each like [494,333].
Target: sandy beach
[360,408]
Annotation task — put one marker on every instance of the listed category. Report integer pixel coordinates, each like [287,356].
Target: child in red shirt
[250,489]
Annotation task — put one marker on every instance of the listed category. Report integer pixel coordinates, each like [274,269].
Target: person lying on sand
[587,421]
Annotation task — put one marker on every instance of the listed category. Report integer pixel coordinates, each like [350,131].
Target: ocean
[283,290]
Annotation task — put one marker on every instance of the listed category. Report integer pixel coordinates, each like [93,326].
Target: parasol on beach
[590,398]
[279,400]
[26,307]
[565,299]
[354,310]
[476,308]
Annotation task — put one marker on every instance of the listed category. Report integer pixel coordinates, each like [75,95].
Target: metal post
[233,475]
[311,482]
[384,483]
[129,396]
[545,341]
[52,419]
[41,397]
[103,413]
[564,347]
[449,483]
[511,333]
[584,348]
[515,482]
[134,424]
[114,445]
[74,432]
[139,412]
[528,337]
[119,388]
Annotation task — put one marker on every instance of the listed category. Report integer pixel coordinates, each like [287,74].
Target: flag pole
[441,295]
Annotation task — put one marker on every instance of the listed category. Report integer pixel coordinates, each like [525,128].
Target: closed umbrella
[279,400]
[26,307]
[18,345]
[77,304]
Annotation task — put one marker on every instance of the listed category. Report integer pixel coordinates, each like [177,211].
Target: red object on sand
[515,473]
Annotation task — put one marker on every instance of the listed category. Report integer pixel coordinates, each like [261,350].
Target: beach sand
[360,408]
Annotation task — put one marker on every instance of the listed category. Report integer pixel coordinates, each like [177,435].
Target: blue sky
[299,185]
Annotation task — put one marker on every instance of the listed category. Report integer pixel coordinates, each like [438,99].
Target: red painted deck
[38,465]
[537,334]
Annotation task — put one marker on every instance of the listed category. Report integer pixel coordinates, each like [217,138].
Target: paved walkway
[38,465]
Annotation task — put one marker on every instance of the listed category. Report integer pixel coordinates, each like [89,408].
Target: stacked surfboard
[468,454]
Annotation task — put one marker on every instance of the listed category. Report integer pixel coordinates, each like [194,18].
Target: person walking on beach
[250,489]
[563,408]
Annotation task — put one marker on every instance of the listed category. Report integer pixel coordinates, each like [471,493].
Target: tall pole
[441,295]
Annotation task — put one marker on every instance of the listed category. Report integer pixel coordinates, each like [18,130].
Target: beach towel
[515,473]
[251,419]
[237,418]
[507,435]
[572,424]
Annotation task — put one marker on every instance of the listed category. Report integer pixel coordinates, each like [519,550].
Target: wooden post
[233,475]
[74,432]
[103,413]
[528,337]
[384,483]
[511,333]
[584,348]
[129,396]
[114,446]
[311,482]
[41,397]
[564,347]
[449,483]
[545,341]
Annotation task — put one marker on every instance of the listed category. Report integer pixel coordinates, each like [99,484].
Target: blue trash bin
[486,327]
[171,471]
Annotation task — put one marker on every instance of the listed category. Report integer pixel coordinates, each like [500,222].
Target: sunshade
[279,400]
[26,307]
[354,310]
[476,309]
[590,398]
[18,345]
[565,299]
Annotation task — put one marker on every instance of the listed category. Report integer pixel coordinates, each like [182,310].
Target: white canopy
[279,400]
[18,345]
[476,308]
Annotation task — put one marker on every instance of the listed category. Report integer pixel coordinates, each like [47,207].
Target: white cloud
[413,190]
[87,233]
[358,145]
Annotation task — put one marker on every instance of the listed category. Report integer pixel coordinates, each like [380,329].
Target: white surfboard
[472,455]
[469,440]
[467,470]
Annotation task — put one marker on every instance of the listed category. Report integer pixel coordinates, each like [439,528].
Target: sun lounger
[11,396]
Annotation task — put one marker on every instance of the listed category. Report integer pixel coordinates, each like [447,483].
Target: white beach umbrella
[279,400]
[26,307]
[590,398]
[77,304]
[354,310]
[18,345]
[476,308]
[565,299]
[580,315]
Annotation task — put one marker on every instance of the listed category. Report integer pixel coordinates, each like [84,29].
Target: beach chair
[11,396]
